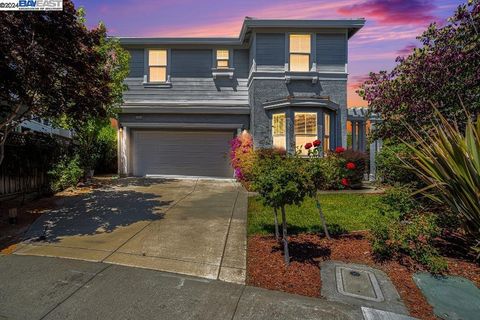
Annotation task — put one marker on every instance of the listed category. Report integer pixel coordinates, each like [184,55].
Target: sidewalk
[52,288]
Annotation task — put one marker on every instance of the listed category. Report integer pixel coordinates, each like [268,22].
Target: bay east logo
[27,4]
[40,5]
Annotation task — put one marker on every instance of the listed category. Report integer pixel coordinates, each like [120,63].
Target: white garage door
[189,153]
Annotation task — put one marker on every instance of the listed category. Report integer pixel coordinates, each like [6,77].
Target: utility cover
[451,297]
[358,283]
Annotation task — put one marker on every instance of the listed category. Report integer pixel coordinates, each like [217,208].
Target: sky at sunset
[390,30]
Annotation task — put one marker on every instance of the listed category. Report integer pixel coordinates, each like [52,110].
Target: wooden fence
[27,161]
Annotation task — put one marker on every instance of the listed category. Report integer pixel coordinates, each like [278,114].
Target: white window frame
[311,136]
[283,135]
[290,53]
[149,65]
[327,130]
[217,59]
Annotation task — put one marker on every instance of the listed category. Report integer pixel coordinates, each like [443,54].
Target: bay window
[305,129]
[327,127]
[279,130]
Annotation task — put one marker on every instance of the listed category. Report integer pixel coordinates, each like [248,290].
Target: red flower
[316,143]
[339,149]
[350,166]
[308,146]
[345,182]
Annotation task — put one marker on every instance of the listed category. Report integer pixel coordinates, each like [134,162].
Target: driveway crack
[76,290]
[228,233]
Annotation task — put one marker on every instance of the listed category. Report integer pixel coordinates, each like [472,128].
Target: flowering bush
[353,167]
[242,156]
[336,170]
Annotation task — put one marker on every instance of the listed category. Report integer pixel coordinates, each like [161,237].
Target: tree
[318,178]
[444,72]
[53,66]
[280,181]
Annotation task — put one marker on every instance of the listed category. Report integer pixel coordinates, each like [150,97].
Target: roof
[352,25]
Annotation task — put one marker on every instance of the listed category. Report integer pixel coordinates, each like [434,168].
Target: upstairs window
[157,65]
[300,50]
[305,130]
[279,129]
[222,59]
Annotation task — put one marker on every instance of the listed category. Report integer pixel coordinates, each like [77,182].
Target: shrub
[390,168]
[392,238]
[448,162]
[65,173]
[397,202]
[242,157]
[329,170]
[107,149]
[353,166]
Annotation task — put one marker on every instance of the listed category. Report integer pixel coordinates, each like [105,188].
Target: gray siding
[331,52]
[137,58]
[185,90]
[192,80]
[270,51]
[191,63]
[240,63]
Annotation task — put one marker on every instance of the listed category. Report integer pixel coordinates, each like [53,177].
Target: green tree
[444,72]
[53,65]
[281,181]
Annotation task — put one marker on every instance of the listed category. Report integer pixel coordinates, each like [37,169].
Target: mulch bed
[266,269]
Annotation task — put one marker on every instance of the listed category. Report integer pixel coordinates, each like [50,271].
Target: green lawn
[344,213]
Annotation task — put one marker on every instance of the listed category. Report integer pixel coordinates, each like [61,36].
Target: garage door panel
[199,153]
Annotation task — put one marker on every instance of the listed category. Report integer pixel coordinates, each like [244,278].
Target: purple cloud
[393,12]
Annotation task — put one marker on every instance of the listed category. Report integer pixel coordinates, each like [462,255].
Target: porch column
[375,147]
[361,135]
[123,151]
[354,135]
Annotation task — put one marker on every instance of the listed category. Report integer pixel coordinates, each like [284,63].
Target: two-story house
[285,81]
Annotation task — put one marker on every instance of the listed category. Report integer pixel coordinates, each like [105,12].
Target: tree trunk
[3,140]
[277,232]
[285,237]
[322,217]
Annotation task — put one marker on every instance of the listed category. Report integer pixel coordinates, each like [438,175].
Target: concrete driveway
[194,227]
[60,289]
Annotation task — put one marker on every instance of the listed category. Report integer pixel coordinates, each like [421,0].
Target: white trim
[176,125]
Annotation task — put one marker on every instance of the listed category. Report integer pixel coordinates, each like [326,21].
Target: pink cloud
[406,50]
[231,25]
[355,81]
[393,12]
[375,34]
[227,28]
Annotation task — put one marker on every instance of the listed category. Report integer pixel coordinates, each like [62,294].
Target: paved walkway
[194,227]
[51,288]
